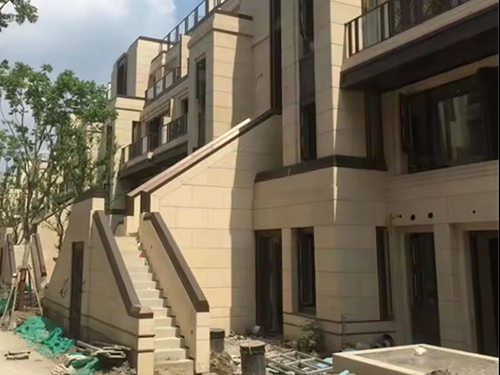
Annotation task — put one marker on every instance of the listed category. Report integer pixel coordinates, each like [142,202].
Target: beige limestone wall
[139,67]
[208,209]
[103,313]
[343,206]
[194,326]
[340,120]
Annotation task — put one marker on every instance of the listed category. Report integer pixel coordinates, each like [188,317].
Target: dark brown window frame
[275,54]
[121,76]
[384,274]
[304,240]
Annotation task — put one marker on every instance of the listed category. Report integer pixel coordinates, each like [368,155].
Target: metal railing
[163,84]
[140,147]
[392,18]
[202,10]
[174,129]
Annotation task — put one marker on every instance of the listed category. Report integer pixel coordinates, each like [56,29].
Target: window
[121,76]
[308,132]
[136,131]
[384,274]
[374,128]
[306,271]
[306,20]
[451,125]
[201,88]
[184,106]
[275,44]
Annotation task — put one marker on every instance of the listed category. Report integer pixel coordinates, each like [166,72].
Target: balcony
[163,85]
[174,130]
[139,148]
[390,19]
[402,42]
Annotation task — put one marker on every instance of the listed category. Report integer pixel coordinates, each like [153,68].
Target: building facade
[334,160]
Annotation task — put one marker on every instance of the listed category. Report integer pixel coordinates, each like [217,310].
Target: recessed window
[121,76]
[308,132]
[201,89]
[451,125]
[275,45]
[306,271]
[306,27]
[384,274]
[374,128]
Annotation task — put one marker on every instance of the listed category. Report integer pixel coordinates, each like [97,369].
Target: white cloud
[162,6]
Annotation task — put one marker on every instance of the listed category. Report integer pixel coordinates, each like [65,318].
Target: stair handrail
[120,273]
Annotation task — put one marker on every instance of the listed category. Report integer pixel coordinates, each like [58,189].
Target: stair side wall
[208,209]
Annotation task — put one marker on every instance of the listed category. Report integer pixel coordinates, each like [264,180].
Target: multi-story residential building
[334,160]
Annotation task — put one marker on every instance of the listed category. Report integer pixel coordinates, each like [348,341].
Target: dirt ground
[35,365]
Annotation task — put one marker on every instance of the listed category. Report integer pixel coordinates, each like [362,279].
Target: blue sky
[87,36]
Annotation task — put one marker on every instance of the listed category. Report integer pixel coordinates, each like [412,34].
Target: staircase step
[181,367]
[152,302]
[147,293]
[138,269]
[164,332]
[159,311]
[135,262]
[141,277]
[163,321]
[170,354]
[145,284]
[167,343]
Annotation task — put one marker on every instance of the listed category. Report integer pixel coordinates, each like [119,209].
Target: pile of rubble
[229,362]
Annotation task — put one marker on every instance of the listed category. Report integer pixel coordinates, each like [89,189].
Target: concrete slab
[403,360]
[35,365]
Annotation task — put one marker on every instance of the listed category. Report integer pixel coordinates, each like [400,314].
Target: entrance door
[269,282]
[484,251]
[423,289]
[76,290]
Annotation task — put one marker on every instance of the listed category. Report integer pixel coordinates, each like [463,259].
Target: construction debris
[17,355]
[298,363]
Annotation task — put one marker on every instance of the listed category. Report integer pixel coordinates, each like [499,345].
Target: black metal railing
[163,84]
[392,18]
[140,147]
[202,10]
[174,129]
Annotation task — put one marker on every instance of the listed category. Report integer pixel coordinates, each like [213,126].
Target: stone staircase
[170,353]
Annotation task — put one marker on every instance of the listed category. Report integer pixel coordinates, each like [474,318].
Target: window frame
[303,235]
[121,82]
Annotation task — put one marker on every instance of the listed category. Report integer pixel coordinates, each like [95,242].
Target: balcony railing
[202,10]
[392,18]
[174,129]
[163,84]
[140,147]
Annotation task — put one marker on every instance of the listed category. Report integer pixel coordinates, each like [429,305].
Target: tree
[21,11]
[51,133]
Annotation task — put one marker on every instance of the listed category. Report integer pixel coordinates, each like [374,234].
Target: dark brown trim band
[340,161]
[39,252]
[198,299]
[130,97]
[233,14]
[90,194]
[120,273]
[128,109]
[306,316]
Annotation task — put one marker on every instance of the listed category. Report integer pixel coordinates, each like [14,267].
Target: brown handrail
[39,252]
[193,289]
[120,273]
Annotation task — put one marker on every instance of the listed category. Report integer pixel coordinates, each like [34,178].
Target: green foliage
[49,139]
[307,340]
[21,11]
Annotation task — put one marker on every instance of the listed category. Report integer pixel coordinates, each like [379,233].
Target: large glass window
[451,125]
[306,271]
[121,76]
[201,88]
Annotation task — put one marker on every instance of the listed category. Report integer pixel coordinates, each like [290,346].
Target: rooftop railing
[392,18]
[174,129]
[192,20]
[163,84]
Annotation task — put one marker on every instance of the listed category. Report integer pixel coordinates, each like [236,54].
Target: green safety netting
[40,330]
[49,337]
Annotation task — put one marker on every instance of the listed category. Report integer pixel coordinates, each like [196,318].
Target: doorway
[423,292]
[269,282]
[76,289]
[484,261]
